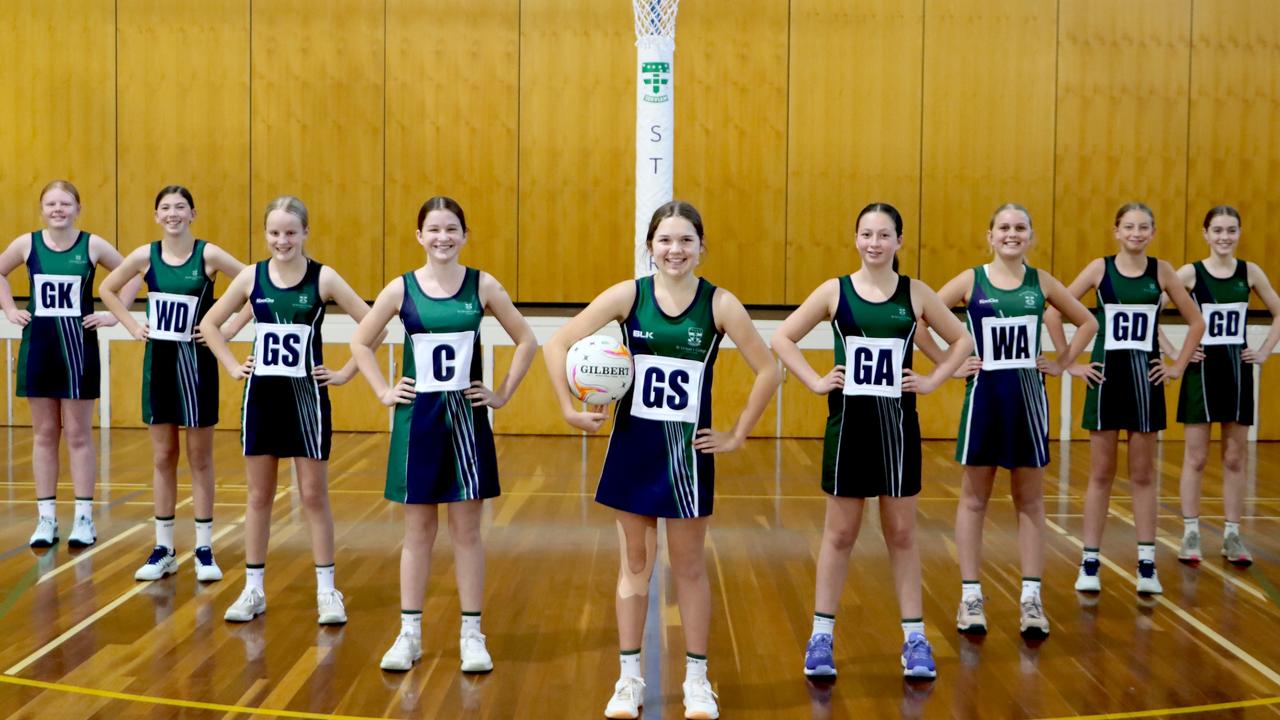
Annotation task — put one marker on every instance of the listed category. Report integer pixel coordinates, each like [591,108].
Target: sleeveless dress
[872,442]
[1005,420]
[1220,387]
[286,412]
[441,447]
[651,467]
[58,357]
[1128,312]
[179,375]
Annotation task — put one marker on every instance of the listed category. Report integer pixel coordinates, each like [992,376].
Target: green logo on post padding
[656,76]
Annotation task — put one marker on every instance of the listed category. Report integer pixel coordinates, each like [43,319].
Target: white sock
[47,508]
[1146,552]
[84,507]
[970,589]
[1030,589]
[630,662]
[164,532]
[695,667]
[823,624]
[253,576]
[912,626]
[411,622]
[1190,524]
[324,578]
[204,533]
[470,621]
[1230,528]
[1090,554]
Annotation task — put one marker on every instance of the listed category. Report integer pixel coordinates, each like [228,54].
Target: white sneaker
[330,608]
[161,563]
[404,652]
[700,700]
[475,657]
[206,569]
[248,606]
[628,698]
[83,534]
[46,533]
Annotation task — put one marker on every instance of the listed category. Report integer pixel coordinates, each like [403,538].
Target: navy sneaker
[1087,579]
[818,660]
[1148,581]
[917,658]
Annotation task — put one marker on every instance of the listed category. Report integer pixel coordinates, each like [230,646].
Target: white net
[655,18]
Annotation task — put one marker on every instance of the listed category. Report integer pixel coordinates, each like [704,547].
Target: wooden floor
[82,639]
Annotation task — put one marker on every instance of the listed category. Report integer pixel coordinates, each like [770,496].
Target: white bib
[56,295]
[1224,323]
[281,349]
[873,366]
[443,360]
[666,388]
[171,317]
[1129,327]
[1009,342]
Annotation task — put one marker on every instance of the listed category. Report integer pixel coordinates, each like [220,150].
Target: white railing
[338,330]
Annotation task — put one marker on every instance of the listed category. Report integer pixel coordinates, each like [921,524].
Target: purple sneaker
[818,660]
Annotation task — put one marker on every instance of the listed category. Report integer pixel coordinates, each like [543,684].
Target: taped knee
[635,582]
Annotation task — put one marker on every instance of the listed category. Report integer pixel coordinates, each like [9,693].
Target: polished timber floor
[82,639]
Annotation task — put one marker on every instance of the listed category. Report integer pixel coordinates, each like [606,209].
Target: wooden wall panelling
[1122,125]
[57,114]
[804,414]
[729,392]
[731,139]
[577,140]
[1234,153]
[452,127]
[853,128]
[183,106]
[355,407]
[317,132]
[988,126]
[533,410]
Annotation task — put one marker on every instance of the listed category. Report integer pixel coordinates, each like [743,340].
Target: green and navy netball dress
[872,443]
[179,375]
[1128,311]
[441,447]
[286,412]
[651,467]
[1005,420]
[1220,387]
[59,357]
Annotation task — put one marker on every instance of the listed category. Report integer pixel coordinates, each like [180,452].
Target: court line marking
[1185,616]
[724,594]
[1188,710]
[172,702]
[102,612]
[1204,564]
[98,547]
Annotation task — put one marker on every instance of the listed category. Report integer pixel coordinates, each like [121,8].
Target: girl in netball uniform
[660,457]
[179,374]
[58,367]
[1128,396]
[442,448]
[1005,420]
[1218,385]
[872,439]
[286,401]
